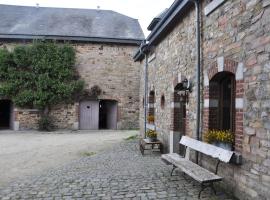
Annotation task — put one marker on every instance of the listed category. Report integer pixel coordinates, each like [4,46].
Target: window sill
[212,6]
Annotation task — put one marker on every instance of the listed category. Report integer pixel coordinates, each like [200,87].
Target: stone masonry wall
[111,67]
[170,61]
[239,31]
[235,38]
[26,119]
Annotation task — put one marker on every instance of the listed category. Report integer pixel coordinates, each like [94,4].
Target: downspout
[198,71]
[143,51]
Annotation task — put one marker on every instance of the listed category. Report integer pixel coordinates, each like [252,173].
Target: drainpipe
[198,71]
[143,50]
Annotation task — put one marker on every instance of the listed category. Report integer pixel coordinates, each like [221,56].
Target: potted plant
[221,138]
[151,135]
[151,119]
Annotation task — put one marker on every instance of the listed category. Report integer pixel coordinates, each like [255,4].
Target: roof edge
[176,8]
[72,38]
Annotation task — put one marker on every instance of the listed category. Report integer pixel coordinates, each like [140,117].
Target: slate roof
[24,22]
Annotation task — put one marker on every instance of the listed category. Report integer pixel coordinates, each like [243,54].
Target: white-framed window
[212,5]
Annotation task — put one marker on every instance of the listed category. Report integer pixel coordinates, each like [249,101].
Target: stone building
[104,41]
[234,84]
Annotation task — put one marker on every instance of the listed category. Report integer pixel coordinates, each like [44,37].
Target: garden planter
[223,145]
[152,139]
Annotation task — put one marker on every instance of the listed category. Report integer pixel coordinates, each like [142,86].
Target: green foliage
[22,56]
[45,123]
[39,75]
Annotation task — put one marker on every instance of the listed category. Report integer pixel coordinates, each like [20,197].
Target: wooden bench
[198,173]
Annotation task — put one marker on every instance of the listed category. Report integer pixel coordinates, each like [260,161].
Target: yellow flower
[151,134]
[225,136]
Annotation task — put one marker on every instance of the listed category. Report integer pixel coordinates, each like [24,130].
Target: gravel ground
[119,172]
[29,153]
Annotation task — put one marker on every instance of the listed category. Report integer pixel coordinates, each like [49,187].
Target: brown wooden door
[89,115]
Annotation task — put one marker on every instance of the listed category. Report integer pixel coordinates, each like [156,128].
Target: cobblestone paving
[117,173]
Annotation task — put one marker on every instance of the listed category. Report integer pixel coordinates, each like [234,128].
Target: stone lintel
[206,79]
[220,62]
[239,103]
[25,110]
[206,103]
[239,75]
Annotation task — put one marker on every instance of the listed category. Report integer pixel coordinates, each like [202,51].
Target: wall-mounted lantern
[187,86]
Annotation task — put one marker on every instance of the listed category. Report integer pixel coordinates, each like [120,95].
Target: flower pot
[223,145]
[153,139]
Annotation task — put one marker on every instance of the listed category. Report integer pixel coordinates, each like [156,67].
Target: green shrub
[40,75]
[45,123]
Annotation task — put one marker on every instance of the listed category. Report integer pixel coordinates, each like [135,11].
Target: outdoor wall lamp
[187,86]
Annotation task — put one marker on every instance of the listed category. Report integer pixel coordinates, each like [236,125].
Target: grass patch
[133,137]
[88,154]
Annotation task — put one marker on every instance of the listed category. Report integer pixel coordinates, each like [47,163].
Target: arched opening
[5,114]
[180,97]
[162,101]
[222,102]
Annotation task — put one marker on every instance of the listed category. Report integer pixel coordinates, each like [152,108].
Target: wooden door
[89,115]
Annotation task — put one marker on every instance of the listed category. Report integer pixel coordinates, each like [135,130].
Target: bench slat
[207,149]
[193,170]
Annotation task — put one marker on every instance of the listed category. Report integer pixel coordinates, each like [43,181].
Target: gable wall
[110,66]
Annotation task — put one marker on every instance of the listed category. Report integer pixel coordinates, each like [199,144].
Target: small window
[162,101]
[143,102]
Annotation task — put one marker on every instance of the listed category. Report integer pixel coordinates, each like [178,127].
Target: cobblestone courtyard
[119,172]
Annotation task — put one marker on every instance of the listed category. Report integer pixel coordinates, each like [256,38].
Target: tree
[39,75]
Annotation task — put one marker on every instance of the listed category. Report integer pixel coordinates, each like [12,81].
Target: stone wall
[109,66]
[65,116]
[169,62]
[112,69]
[26,119]
[235,38]
[239,31]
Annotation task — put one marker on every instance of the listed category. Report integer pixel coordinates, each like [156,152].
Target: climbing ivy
[39,75]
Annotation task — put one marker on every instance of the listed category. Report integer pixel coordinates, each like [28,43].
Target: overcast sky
[144,10]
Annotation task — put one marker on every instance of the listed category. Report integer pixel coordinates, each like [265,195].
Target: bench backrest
[207,149]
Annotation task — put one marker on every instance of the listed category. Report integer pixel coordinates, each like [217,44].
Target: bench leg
[203,186]
[141,148]
[174,167]
[202,189]
[213,188]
